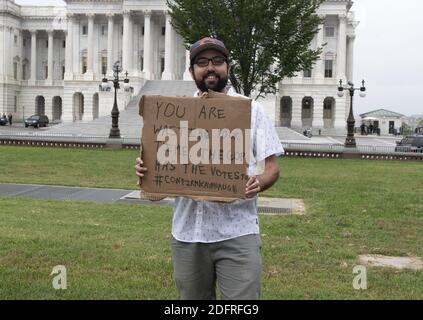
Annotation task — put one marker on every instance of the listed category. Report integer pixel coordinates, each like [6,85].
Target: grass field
[122,251]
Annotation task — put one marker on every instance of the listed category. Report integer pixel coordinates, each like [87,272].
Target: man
[10,117]
[214,242]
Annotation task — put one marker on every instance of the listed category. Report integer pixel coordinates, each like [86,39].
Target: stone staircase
[287,134]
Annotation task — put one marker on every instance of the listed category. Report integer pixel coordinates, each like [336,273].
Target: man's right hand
[140,169]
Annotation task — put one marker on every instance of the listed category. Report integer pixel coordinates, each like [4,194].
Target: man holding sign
[214,242]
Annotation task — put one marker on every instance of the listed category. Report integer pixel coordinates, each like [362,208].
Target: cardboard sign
[195,147]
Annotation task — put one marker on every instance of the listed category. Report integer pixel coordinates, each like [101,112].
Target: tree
[268,39]
[406,129]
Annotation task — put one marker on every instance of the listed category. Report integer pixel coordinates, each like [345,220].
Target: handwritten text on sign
[196,147]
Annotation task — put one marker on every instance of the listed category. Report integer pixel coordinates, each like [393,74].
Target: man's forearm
[270,174]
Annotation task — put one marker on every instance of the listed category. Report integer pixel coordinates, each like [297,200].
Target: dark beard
[218,87]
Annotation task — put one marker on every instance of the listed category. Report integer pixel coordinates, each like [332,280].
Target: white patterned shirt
[205,221]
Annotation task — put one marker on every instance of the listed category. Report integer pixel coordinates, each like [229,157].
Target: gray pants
[235,264]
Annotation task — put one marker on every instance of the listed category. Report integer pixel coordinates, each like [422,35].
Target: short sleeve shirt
[205,221]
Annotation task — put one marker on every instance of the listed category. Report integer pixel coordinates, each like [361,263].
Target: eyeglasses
[216,61]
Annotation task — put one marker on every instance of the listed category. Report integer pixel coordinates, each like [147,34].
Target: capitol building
[53,59]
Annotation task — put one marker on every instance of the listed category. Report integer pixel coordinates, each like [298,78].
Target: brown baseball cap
[207,43]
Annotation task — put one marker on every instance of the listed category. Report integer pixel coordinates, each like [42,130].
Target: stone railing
[299,150]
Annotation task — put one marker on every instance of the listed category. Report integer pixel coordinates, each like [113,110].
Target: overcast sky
[388,45]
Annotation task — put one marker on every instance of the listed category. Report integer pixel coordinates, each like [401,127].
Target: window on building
[63,72]
[84,65]
[329,31]
[103,65]
[121,30]
[163,31]
[142,31]
[142,62]
[307,108]
[24,72]
[286,107]
[46,43]
[84,30]
[103,30]
[15,40]
[64,44]
[328,68]
[24,42]
[45,72]
[327,108]
[307,73]
[15,70]
[306,111]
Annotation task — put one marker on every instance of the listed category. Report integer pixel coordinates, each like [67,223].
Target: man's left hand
[264,181]
[252,187]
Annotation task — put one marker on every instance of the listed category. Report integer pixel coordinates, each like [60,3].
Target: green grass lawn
[119,251]
[69,167]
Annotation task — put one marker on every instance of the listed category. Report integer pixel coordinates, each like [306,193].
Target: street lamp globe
[105,84]
[126,84]
[340,89]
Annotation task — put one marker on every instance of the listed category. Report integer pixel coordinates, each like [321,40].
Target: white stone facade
[54,58]
[310,99]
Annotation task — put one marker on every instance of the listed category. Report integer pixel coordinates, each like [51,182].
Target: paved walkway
[270,206]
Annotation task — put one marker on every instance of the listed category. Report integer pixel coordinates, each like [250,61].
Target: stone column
[33,55]
[350,57]
[90,46]
[88,107]
[69,49]
[342,47]
[2,41]
[67,104]
[156,32]
[187,74]
[50,56]
[126,49]
[168,73]
[48,107]
[6,59]
[318,113]
[76,40]
[176,60]
[132,54]
[110,59]
[10,56]
[147,70]
[319,67]
[137,55]
[296,122]
[341,114]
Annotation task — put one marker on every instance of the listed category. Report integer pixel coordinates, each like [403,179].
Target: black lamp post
[350,140]
[114,131]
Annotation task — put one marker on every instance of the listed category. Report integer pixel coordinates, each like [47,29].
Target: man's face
[210,76]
